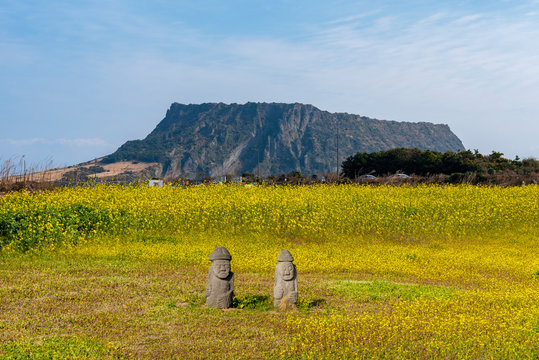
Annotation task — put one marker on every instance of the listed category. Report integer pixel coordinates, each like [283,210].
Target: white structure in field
[155,182]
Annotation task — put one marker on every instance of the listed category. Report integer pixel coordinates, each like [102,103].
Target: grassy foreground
[384,272]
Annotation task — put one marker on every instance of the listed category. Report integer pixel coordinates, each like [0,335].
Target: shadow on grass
[253,302]
[247,302]
[309,303]
[265,303]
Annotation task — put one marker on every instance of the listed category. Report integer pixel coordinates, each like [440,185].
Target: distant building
[155,182]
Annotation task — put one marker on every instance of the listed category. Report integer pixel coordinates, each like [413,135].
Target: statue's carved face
[221,268]
[287,271]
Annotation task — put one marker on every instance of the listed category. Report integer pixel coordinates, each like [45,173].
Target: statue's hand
[223,301]
[278,292]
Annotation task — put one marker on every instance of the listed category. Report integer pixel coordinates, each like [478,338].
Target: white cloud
[475,71]
[78,142]
[93,142]
[468,19]
[351,18]
[23,142]
[468,70]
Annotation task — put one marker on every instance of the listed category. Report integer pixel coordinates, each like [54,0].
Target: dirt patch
[111,170]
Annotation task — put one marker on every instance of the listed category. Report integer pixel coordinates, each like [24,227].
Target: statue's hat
[285,255]
[220,253]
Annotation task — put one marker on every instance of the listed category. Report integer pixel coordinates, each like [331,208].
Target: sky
[80,78]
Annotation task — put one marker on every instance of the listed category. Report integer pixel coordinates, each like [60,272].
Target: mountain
[194,141]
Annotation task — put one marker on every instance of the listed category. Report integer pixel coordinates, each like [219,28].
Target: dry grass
[16,175]
[111,170]
[131,309]
[83,303]
[505,178]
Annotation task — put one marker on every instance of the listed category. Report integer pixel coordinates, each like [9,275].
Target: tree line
[426,162]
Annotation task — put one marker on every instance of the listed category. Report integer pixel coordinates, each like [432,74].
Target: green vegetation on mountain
[196,140]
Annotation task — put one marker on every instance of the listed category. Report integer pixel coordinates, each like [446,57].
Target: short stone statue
[285,290]
[220,287]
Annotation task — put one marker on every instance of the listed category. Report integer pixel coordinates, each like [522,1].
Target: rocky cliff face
[195,140]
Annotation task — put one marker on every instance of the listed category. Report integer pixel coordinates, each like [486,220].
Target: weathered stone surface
[265,139]
[220,286]
[285,290]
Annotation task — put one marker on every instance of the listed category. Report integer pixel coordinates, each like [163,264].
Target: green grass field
[384,272]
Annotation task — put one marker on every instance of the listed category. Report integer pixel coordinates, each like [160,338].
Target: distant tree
[425,162]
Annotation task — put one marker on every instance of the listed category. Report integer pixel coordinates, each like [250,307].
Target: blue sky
[79,78]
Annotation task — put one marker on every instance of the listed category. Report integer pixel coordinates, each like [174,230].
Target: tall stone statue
[220,287]
[285,290]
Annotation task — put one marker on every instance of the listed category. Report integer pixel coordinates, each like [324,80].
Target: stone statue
[285,290]
[220,287]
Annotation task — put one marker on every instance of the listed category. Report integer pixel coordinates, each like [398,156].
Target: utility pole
[23,163]
[337,150]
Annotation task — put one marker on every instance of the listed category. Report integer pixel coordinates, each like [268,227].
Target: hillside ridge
[198,140]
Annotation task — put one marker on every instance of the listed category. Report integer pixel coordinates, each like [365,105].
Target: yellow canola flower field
[308,212]
[384,271]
